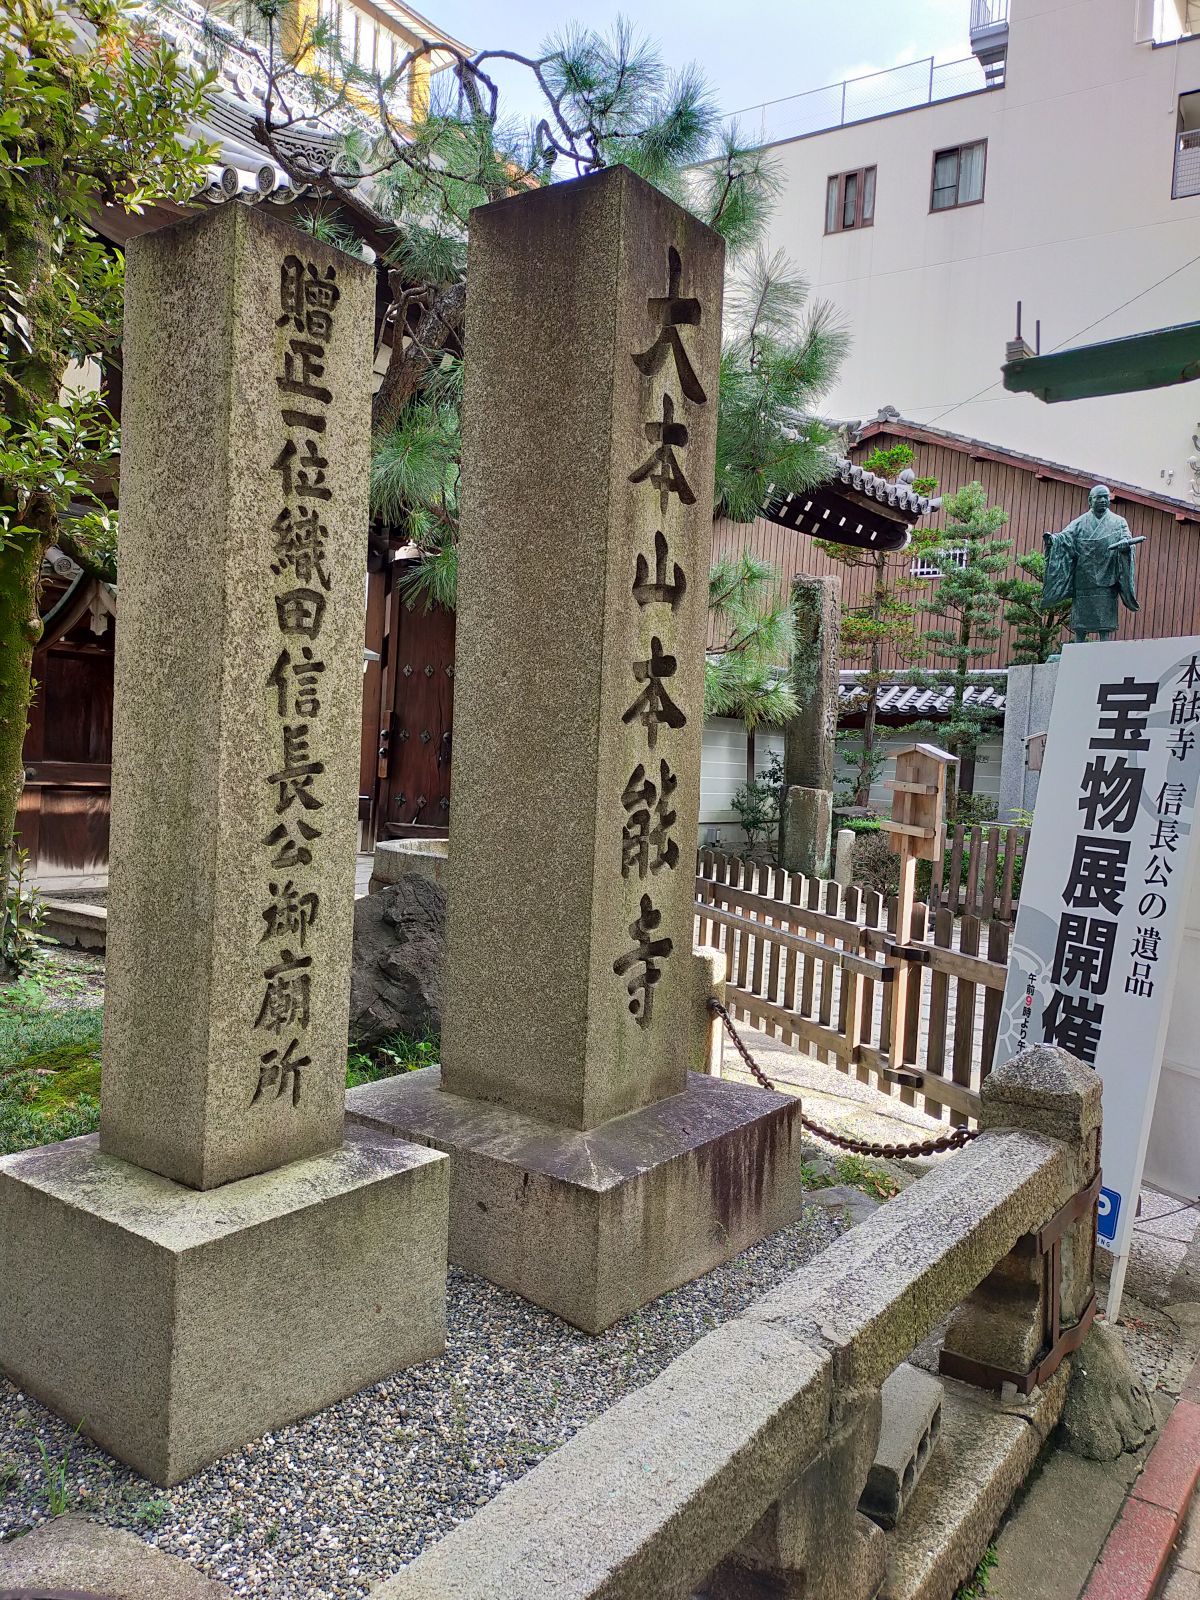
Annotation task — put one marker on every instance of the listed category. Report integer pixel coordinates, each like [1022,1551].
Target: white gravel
[330,1505]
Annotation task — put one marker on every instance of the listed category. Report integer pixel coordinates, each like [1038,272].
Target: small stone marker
[572,994]
[809,737]
[223,1261]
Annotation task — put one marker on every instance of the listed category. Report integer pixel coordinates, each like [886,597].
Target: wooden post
[918,832]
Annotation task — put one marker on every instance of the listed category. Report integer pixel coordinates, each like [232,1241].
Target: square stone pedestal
[592,1225]
[176,1324]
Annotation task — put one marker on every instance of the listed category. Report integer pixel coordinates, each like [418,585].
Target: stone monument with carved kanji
[224,1258]
[594,1166]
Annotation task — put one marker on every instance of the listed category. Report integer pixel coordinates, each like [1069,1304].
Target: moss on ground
[49,1072]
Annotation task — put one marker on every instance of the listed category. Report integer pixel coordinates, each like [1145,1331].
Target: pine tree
[966,596]
[1038,633]
[743,675]
[885,624]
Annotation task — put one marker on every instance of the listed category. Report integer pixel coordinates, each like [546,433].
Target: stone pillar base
[805,828]
[593,1225]
[177,1324]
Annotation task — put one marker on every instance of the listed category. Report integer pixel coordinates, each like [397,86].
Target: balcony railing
[1187,164]
[916,83]
[987,14]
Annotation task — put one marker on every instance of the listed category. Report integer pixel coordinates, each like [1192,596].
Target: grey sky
[749,52]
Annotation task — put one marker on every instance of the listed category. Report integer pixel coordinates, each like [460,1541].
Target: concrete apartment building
[1058,166]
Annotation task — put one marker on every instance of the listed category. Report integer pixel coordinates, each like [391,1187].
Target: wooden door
[413,795]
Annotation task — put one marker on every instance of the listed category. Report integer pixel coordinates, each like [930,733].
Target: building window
[923,567]
[958,176]
[1185,179]
[850,200]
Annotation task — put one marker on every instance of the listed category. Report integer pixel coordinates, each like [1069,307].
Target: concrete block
[643,1502]
[75,923]
[912,1420]
[74,1553]
[177,1324]
[986,1450]
[593,1225]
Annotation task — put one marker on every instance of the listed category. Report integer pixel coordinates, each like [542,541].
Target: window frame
[839,211]
[923,567]
[957,149]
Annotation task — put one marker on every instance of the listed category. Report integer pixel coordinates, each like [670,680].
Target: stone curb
[1138,1551]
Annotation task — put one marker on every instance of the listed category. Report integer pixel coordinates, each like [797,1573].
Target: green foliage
[966,597]
[977,1585]
[875,863]
[756,806]
[889,463]
[860,825]
[866,761]
[21,938]
[859,1173]
[744,676]
[975,808]
[94,113]
[56,1476]
[49,1069]
[401,1053]
[780,358]
[607,98]
[853,1171]
[1038,633]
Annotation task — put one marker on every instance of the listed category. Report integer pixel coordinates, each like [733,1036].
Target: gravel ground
[332,1504]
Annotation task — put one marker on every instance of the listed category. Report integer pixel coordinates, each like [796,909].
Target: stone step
[984,1452]
[76,923]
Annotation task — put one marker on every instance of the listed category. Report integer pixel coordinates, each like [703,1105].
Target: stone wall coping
[645,1500]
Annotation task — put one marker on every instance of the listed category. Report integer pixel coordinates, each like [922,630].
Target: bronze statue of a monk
[1091,562]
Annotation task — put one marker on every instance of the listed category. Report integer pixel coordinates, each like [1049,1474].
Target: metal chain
[862,1147]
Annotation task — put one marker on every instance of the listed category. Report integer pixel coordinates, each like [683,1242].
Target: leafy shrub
[22,937]
[400,1053]
[875,866]
[974,808]
[861,824]
[756,806]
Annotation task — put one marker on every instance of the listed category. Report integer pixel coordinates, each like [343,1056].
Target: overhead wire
[1071,337]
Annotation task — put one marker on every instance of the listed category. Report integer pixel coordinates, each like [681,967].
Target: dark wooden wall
[1168,564]
[63,815]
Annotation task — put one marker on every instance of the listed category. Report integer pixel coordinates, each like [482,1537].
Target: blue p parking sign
[1107,1211]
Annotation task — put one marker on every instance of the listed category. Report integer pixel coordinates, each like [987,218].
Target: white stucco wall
[723,771]
[1077,218]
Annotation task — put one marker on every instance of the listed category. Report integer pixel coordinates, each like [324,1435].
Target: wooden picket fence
[816,964]
[977,874]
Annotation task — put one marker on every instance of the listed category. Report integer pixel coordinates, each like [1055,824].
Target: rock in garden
[1108,1410]
[399,951]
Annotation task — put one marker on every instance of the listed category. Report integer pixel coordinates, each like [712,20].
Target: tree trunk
[20,630]
[749,755]
[413,357]
[862,792]
[965,778]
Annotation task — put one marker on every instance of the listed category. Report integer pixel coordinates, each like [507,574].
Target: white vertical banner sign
[1106,885]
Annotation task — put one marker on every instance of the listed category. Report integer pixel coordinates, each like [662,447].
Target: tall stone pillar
[224,1262]
[591,1172]
[809,738]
